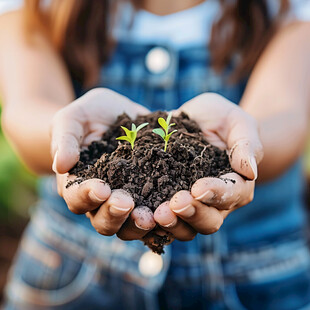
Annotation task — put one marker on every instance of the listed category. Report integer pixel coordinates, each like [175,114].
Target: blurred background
[17,195]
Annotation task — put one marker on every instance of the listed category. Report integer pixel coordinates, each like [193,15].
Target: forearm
[34,84]
[27,128]
[283,138]
[278,96]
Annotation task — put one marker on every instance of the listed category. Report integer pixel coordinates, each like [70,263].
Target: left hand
[204,208]
[77,125]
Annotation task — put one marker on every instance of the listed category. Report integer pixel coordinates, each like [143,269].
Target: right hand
[211,199]
[76,125]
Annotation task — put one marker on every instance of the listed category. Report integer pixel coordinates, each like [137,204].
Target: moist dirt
[149,174]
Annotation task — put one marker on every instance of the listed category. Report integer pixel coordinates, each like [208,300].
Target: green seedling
[164,131]
[131,135]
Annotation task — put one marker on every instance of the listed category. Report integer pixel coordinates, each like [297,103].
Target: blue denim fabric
[258,260]
[277,207]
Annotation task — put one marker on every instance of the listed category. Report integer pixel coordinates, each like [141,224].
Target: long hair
[79,30]
[243,30]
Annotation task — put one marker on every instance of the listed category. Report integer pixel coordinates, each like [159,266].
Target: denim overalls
[258,260]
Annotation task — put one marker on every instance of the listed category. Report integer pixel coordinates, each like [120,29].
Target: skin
[36,107]
[87,118]
[30,103]
[278,97]
[160,7]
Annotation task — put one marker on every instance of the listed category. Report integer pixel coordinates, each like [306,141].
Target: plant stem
[166,143]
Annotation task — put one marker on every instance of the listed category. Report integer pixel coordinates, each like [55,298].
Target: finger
[244,160]
[137,109]
[71,125]
[61,181]
[202,218]
[66,134]
[99,112]
[245,148]
[173,224]
[225,192]
[85,196]
[111,215]
[228,124]
[83,120]
[140,222]
[243,143]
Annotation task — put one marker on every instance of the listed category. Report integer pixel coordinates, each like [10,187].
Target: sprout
[131,135]
[164,132]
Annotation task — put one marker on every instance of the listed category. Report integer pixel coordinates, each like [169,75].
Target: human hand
[204,208]
[77,125]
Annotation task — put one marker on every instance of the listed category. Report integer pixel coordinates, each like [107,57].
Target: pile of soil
[149,174]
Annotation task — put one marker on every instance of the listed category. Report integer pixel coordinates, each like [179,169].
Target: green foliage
[164,131]
[131,135]
[17,185]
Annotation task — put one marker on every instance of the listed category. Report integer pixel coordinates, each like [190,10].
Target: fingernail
[173,223]
[138,226]
[187,211]
[114,210]
[253,165]
[94,197]
[207,196]
[54,166]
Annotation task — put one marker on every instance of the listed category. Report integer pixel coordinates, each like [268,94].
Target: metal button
[150,264]
[157,60]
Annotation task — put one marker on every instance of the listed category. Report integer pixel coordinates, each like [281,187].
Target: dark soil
[151,175]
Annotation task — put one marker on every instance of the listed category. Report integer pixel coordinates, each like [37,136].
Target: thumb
[135,109]
[245,150]
[244,158]
[66,135]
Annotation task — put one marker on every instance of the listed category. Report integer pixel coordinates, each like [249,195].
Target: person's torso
[164,74]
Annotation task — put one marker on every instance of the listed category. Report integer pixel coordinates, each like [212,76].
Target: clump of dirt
[149,174]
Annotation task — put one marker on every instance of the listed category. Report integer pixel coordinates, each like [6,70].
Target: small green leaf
[159,132]
[169,118]
[163,123]
[169,135]
[133,136]
[141,126]
[127,131]
[124,138]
